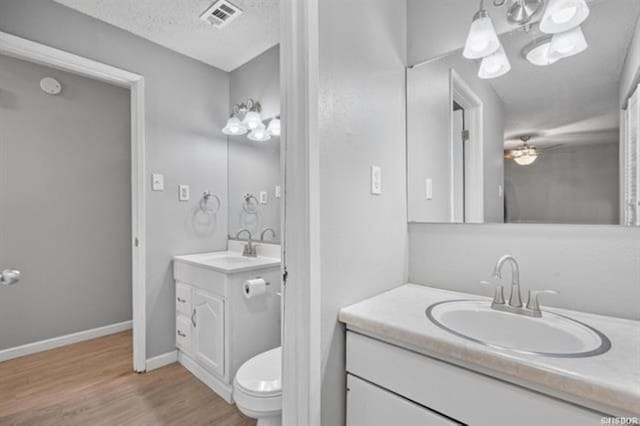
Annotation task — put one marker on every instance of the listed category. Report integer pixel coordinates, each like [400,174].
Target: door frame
[463,94]
[41,54]
[301,339]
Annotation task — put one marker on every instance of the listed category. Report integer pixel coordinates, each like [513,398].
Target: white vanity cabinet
[217,328]
[390,385]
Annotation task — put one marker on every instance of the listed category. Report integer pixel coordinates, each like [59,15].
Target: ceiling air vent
[221,13]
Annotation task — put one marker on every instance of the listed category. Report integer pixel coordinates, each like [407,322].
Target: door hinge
[136,242]
[465,135]
[285,275]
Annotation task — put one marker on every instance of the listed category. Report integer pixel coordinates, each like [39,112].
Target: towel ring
[248,206]
[204,202]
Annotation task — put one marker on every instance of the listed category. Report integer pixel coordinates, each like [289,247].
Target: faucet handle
[532,300]
[498,295]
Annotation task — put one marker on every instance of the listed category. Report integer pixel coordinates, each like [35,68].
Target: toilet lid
[262,374]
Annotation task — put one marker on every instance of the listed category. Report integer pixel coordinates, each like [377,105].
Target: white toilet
[257,388]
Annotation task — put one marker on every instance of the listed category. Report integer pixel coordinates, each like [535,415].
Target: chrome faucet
[515,300]
[514,305]
[273,233]
[249,248]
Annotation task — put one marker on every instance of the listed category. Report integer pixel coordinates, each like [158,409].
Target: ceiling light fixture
[525,155]
[567,44]
[482,39]
[495,65]
[538,53]
[563,15]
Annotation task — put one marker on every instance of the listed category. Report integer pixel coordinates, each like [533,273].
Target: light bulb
[563,15]
[260,134]
[482,39]
[494,65]
[274,127]
[234,127]
[252,119]
[567,44]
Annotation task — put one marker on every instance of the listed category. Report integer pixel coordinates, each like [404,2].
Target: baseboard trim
[68,339]
[161,360]
[218,386]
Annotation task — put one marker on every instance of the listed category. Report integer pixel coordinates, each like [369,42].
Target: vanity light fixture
[567,44]
[538,52]
[563,15]
[260,134]
[252,120]
[494,65]
[234,127]
[482,39]
[274,126]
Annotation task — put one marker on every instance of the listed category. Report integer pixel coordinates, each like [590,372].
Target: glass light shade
[252,120]
[260,134]
[234,127]
[567,44]
[482,39]
[563,15]
[274,127]
[494,65]
[539,54]
[525,156]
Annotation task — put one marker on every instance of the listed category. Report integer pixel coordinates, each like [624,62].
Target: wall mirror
[524,112]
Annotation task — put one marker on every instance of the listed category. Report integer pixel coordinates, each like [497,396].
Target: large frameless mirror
[524,114]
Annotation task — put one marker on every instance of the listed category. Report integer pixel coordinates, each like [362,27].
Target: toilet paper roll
[254,287]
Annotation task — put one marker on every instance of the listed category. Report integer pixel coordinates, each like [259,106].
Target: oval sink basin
[552,335]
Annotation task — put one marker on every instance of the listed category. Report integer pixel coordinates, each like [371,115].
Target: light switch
[184,193]
[278,191]
[428,188]
[500,191]
[376,180]
[157,182]
[263,197]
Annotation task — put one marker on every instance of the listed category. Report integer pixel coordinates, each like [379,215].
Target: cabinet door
[208,331]
[369,405]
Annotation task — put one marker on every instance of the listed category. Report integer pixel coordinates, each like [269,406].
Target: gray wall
[572,184]
[362,122]
[65,208]
[186,107]
[428,139]
[631,69]
[595,268]
[255,166]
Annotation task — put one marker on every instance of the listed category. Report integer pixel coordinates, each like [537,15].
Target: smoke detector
[221,13]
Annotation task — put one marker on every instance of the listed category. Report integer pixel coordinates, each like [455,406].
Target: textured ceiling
[176,24]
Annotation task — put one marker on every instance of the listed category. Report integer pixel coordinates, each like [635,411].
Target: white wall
[187,104]
[569,184]
[361,122]
[255,166]
[428,139]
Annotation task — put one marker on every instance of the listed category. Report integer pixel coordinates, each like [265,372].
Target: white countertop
[228,262]
[609,382]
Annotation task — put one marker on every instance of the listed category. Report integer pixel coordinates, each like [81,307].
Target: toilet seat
[258,385]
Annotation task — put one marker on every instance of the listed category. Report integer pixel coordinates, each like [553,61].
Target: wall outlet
[157,182]
[278,191]
[263,197]
[376,180]
[428,188]
[184,193]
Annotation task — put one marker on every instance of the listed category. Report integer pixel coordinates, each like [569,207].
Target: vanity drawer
[183,333]
[183,299]
[458,393]
[370,405]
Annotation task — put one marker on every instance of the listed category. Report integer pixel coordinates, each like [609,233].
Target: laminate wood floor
[92,383]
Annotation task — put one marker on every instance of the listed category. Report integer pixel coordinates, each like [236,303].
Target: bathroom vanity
[217,327]
[402,368]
